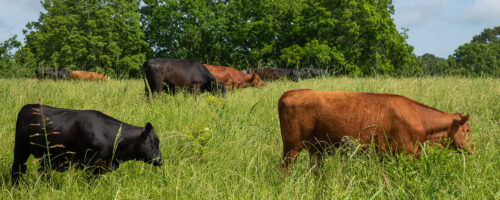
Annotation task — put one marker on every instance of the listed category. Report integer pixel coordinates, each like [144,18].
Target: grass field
[230,148]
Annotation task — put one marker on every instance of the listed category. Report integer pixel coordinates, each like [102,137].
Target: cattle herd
[318,121]
[61,74]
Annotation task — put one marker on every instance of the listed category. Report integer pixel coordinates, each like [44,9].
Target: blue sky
[435,26]
[440,26]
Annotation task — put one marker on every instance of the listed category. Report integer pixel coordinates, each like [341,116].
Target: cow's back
[88,75]
[231,77]
[69,132]
[336,114]
[181,72]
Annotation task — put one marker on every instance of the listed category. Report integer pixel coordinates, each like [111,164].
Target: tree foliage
[8,65]
[99,35]
[489,35]
[480,57]
[350,37]
[432,65]
[6,52]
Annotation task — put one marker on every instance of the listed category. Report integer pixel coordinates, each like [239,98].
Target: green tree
[489,35]
[6,52]
[476,59]
[480,57]
[350,37]
[432,65]
[184,29]
[99,35]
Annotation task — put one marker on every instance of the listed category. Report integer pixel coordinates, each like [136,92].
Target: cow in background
[271,74]
[88,76]
[306,73]
[234,78]
[162,74]
[52,73]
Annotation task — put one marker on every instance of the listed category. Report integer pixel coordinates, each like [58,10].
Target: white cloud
[2,24]
[20,7]
[15,15]
[416,12]
[484,11]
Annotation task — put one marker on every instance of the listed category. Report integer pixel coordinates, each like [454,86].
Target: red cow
[234,78]
[88,76]
[316,120]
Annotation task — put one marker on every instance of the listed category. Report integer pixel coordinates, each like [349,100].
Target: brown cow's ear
[463,119]
[253,78]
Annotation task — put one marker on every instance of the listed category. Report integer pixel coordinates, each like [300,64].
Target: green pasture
[230,148]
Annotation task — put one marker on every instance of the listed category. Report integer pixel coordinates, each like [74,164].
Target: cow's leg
[103,161]
[147,90]
[231,85]
[100,166]
[170,89]
[315,158]
[95,168]
[158,85]
[44,167]
[289,157]
[21,154]
[149,85]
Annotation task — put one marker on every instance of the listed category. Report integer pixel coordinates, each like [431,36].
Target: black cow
[271,74]
[86,138]
[163,74]
[52,73]
[311,72]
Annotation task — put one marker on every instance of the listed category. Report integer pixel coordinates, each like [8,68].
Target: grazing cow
[52,73]
[82,137]
[88,76]
[316,120]
[234,78]
[163,74]
[311,72]
[272,74]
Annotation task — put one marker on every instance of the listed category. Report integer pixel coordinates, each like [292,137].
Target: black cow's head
[147,146]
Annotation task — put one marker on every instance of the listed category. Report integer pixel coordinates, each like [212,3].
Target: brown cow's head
[256,81]
[460,133]
[102,76]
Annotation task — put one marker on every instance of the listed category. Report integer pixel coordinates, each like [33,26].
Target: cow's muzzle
[157,162]
[472,150]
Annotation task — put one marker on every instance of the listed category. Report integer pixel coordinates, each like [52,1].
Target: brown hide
[88,76]
[315,120]
[234,78]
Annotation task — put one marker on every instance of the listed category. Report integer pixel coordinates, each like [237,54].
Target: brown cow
[88,76]
[232,77]
[315,120]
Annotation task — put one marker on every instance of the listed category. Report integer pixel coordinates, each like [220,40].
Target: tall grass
[230,148]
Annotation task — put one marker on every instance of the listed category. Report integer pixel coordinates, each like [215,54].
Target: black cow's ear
[149,126]
[147,129]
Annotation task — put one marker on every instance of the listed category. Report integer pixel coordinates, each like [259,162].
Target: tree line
[354,38]
[479,57]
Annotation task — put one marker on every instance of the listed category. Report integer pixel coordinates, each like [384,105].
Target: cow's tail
[145,71]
